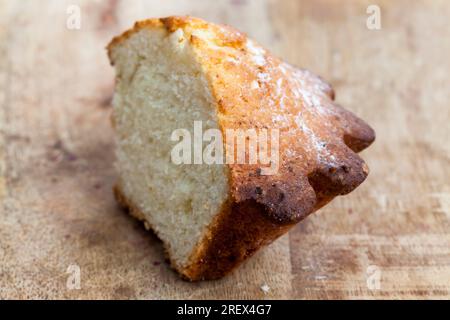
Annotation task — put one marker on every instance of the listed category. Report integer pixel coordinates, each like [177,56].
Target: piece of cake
[175,73]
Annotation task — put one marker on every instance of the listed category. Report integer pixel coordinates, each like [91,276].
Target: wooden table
[56,154]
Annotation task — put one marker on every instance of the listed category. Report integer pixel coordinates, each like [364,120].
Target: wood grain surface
[56,154]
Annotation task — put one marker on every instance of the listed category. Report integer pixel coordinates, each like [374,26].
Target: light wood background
[56,154]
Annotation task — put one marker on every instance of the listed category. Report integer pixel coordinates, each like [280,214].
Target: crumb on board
[265,288]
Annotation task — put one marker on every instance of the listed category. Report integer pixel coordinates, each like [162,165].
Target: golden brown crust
[238,232]
[318,142]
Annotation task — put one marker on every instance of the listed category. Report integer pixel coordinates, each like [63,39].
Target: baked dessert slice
[174,72]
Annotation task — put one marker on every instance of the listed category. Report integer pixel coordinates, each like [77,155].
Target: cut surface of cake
[178,72]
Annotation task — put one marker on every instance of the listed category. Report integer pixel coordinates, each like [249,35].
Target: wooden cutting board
[388,239]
